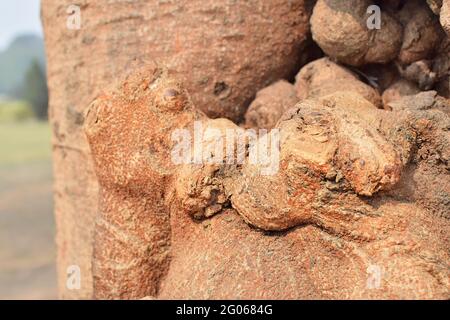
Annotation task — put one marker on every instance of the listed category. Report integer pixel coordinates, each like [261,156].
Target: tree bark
[81,63]
[207,42]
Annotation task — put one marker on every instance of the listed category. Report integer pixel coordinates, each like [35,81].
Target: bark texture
[352,192]
[355,173]
[207,43]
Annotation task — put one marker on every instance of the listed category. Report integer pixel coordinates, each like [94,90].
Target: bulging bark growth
[207,43]
[148,206]
[340,156]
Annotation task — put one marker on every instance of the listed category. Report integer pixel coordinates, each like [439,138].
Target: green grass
[11,111]
[24,142]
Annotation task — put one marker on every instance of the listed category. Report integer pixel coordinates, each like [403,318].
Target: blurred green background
[27,249]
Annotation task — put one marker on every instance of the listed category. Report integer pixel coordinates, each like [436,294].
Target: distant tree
[35,91]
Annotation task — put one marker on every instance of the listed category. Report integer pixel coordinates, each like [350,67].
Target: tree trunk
[80,64]
[343,239]
[206,42]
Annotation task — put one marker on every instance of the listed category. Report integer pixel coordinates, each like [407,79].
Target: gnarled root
[338,155]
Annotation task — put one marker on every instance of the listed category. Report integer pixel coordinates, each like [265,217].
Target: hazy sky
[17,17]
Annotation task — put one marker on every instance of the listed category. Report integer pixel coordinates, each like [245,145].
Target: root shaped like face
[331,156]
[332,152]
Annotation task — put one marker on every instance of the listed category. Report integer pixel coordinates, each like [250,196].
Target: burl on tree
[356,204]
[344,174]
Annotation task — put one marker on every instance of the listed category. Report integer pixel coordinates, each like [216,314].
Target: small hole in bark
[221,89]
[171,93]
[91,118]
